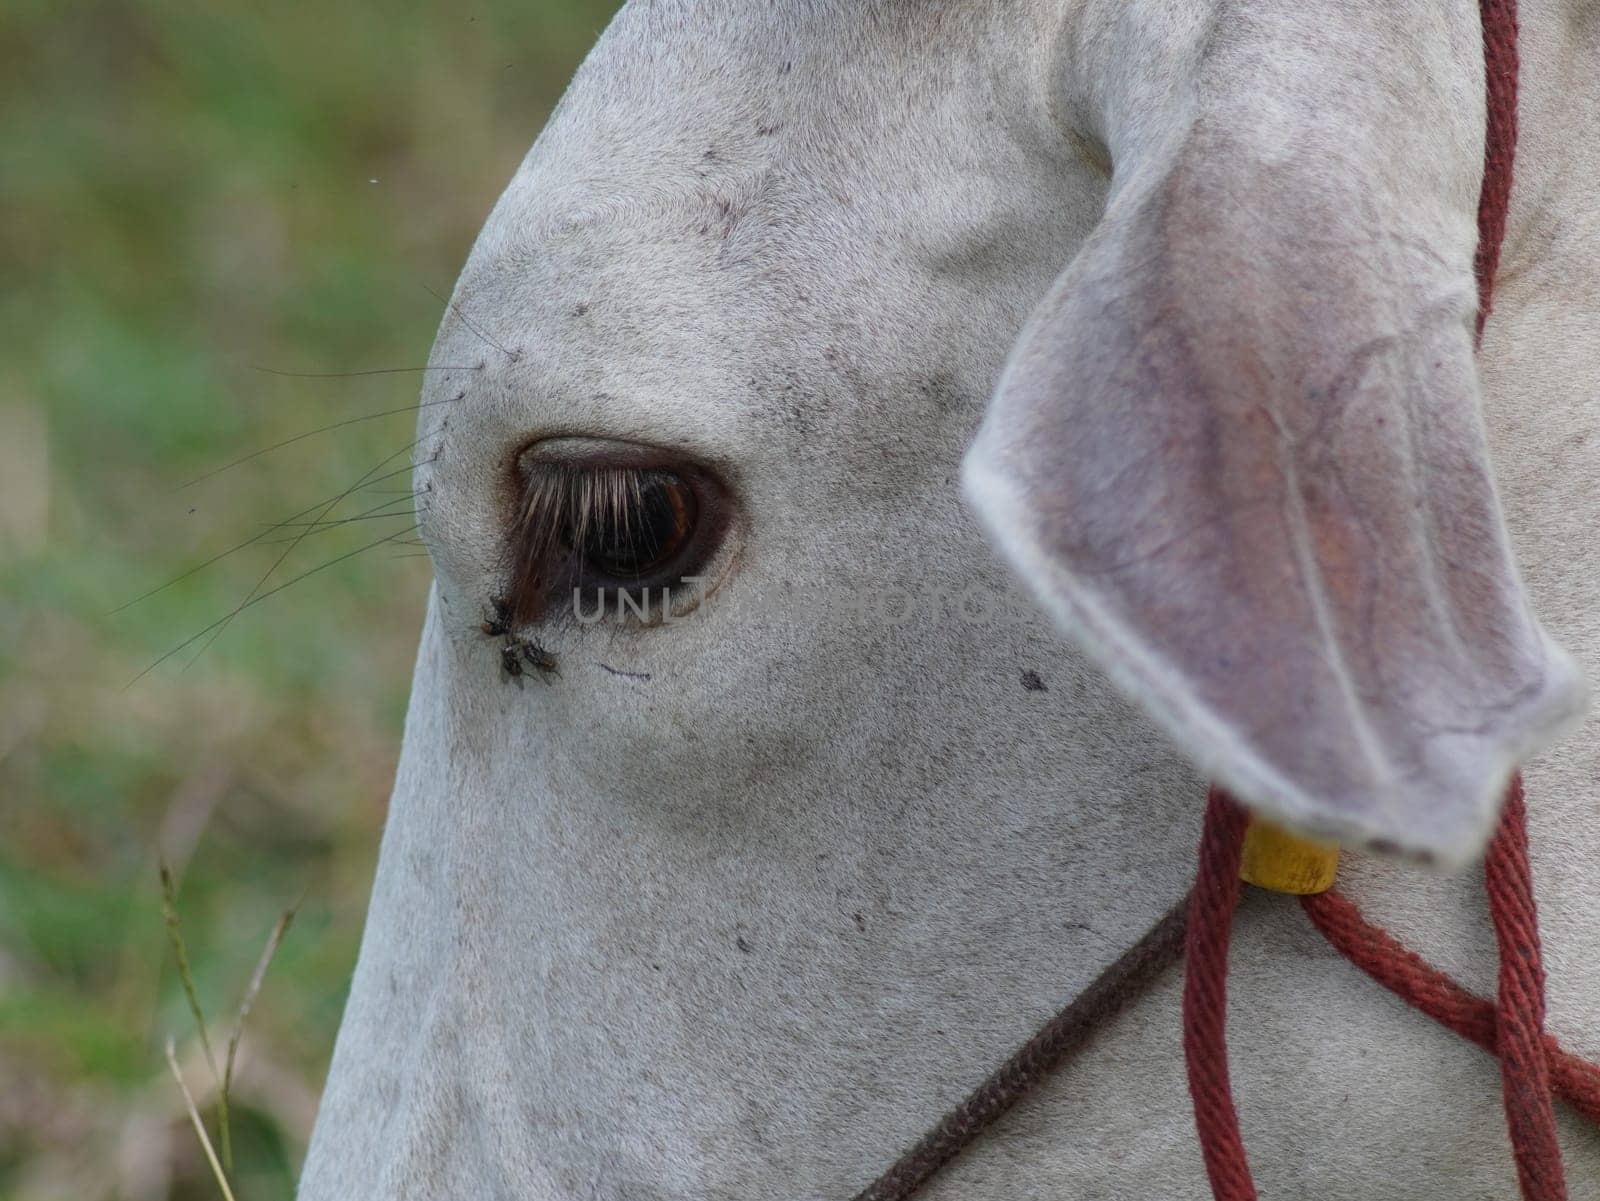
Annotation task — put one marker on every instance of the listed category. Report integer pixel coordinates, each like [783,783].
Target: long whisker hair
[256,599]
[361,374]
[337,425]
[398,506]
[217,629]
[317,518]
[472,326]
[257,538]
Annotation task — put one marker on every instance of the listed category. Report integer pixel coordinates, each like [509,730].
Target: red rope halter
[1532,1063]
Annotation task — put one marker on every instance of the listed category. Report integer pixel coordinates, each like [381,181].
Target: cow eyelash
[601,527]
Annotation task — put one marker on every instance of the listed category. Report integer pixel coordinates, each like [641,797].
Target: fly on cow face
[518,655]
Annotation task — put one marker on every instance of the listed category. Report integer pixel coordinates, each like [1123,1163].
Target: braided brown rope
[1123,981]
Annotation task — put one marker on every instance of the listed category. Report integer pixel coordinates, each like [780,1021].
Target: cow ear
[1237,454]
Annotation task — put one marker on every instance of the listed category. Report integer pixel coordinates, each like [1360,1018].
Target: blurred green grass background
[189,191]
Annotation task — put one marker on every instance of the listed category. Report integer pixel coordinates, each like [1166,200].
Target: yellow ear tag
[1284,862]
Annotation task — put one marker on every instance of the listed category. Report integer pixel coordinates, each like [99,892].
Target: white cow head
[1197,278]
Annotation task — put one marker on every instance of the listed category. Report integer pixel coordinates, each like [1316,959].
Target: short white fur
[748,927]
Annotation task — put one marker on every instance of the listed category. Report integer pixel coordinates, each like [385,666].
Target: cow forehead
[701,227]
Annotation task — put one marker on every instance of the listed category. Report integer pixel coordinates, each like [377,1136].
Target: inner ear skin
[1237,450]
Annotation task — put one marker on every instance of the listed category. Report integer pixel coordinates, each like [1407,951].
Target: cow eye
[607,517]
[639,539]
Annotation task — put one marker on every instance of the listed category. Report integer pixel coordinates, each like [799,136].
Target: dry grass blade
[180,951]
[279,929]
[169,915]
[199,1126]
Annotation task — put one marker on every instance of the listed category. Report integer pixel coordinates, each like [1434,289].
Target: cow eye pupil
[647,533]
